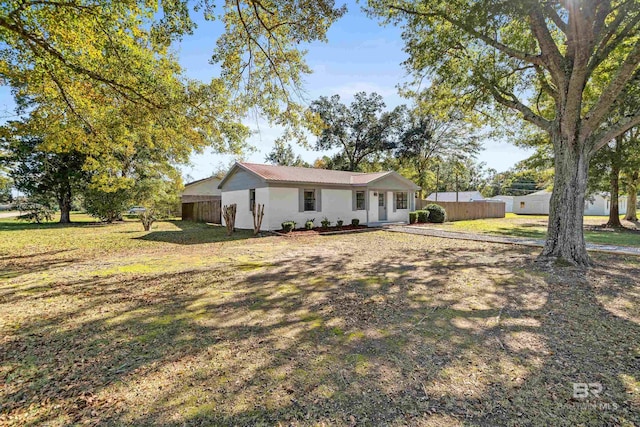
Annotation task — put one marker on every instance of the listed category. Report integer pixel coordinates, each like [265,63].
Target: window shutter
[354,197]
[300,199]
[366,199]
[395,201]
[318,200]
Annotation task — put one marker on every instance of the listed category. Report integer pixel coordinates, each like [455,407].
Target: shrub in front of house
[309,224]
[325,222]
[339,223]
[287,226]
[413,217]
[436,213]
[423,215]
[355,222]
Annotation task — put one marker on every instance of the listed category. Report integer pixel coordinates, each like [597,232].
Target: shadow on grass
[443,337]
[195,233]
[19,225]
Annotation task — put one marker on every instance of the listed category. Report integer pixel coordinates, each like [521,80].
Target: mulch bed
[320,230]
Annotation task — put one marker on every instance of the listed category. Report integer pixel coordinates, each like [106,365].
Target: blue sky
[359,56]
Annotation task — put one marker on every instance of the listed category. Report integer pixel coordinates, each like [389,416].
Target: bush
[413,217]
[423,215]
[287,226]
[355,222]
[339,223]
[35,212]
[106,206]
[436,213]
[309,224]
[325,222]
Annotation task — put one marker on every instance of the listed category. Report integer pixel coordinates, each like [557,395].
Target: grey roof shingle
[310,175]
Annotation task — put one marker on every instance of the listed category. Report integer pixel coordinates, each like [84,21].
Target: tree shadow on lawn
[11,224]
[12,267]
[435,338]
[195,233]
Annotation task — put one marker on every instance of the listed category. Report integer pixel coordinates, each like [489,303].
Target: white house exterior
[600,204]
[301,194]
[508,201]
[538,204]
[452,196]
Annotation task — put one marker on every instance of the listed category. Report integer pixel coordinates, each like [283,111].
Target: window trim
[304,199]
[252,200]
[404,197]
[364,200]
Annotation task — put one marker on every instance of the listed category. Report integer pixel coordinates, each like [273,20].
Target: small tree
[258,214]
[229,215]
[106,206]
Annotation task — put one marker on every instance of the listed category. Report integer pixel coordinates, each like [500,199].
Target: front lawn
[535,226]
[184,326]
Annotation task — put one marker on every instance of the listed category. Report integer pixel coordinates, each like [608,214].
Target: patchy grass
[186,326]
[535,226]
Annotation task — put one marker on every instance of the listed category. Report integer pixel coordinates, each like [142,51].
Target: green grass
[535,226]
[183,325]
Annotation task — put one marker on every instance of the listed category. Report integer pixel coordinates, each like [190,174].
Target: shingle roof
[274,173]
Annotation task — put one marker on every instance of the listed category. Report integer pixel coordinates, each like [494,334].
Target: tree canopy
[360,130]
[580,58]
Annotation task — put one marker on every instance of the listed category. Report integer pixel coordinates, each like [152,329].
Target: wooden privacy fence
[459,211]
[205,211]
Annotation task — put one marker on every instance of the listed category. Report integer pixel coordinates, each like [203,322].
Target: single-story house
[508,201]
[201,200]
[538,204]
[450,196]
[301,194]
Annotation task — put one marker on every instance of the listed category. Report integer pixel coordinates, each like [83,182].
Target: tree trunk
[632,199]
[64,203]
[614,211]
[565,239]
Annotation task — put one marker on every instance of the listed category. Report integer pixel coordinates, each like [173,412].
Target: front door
[382,207]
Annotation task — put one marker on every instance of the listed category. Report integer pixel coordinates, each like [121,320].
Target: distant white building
[537,203]
[450,196]
[508,201]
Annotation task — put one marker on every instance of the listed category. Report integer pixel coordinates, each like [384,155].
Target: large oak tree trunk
[614,211]
[632,199]
[64,203]
[565,239]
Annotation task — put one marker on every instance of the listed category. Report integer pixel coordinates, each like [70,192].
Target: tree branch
[603,138]
[625,72]
[515,53]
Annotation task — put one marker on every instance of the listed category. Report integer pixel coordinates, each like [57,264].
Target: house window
[309,200]
[401,201]
[521,205]
[252,199]
[360,200]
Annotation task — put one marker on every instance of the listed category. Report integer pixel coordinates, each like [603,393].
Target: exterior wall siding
[335,204]
[207,187]
[243,180]
[533,205]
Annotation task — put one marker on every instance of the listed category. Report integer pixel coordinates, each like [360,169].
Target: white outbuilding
[537,203]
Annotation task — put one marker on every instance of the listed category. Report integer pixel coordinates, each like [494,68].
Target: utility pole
[437,180]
